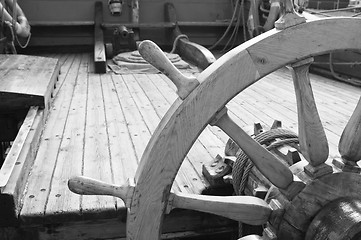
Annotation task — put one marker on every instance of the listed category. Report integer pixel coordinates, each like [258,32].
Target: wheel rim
[220,82]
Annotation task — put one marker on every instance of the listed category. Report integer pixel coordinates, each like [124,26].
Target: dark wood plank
[99,48]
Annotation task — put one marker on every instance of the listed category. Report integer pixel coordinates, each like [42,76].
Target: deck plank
[122,153]
[41,175]
[153,114]
[203,150]
[96,159]
[62,202]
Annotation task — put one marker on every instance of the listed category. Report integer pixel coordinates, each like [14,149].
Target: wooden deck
[100,124]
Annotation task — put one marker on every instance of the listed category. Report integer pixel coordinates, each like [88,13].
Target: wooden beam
[99,48]
[17,165]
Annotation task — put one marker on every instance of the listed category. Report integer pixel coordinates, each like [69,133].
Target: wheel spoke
[349,146]
[270,166]
[246,209]
[156,57]
[88,186]
[312,137]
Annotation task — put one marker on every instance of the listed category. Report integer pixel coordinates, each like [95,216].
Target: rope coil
[273,138]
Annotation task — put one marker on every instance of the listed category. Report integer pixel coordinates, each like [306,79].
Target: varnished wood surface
[99,126]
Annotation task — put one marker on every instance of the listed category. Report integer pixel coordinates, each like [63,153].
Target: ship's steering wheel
[202,101]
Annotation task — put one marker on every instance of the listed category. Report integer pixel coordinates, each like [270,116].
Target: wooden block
[318,171]
[26,81]
[346,166]
[99,47]
[215,171]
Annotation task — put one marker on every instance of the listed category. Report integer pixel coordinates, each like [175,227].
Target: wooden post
[99,48]
[350,143]
[271,167]
[312,136]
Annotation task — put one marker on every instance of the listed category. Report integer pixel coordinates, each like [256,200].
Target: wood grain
[349,145]
[12,193]
[27,81]
[271,167]
[311,135]
[155,56]
[228,76]
[246,209]
[317,194]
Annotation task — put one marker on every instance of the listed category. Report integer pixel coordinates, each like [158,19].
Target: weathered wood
[22,156]
[18,145]
[349,146]
[88,186]
[39,183]
[312,137]
[191,51]
[339,219]
[316,195]
[96,158]
[220,82]
[69,154]
[246,209]
[99,47]
[267,163]
[162,94]
[27,81]
[155,56]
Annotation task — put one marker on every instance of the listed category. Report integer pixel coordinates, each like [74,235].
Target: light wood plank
[61,202]
[64,71]
[96,159]
[122,153]
[189,180]
[42,172]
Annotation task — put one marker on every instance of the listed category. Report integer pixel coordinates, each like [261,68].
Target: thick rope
[243,165]
[242,158]
[176,41]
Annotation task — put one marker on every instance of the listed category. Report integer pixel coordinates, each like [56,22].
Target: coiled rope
[243,165]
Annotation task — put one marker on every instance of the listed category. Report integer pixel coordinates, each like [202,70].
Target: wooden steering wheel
[202,101]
